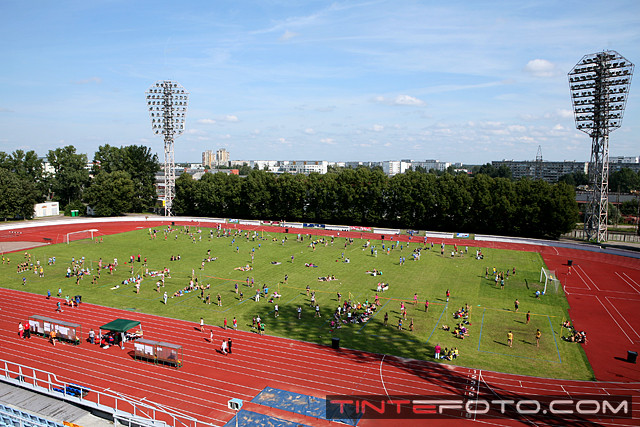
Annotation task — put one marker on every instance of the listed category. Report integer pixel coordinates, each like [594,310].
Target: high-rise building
[222,157]
[208,159]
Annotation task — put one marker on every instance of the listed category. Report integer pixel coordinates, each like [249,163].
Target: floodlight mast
[599,90]
[167,105]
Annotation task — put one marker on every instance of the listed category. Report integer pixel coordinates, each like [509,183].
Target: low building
[547,171]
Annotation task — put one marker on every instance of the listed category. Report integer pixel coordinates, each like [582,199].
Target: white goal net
[549,278]
[80,235]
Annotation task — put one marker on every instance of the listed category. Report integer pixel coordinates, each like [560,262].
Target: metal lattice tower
[539,163]
[599,90]
[167,104]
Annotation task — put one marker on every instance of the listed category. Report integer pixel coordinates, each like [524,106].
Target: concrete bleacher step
[48,408]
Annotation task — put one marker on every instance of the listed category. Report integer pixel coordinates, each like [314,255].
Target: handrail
[121,407]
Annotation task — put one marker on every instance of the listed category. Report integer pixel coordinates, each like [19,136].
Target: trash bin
[335,343]
[74,212]
[570,262]
[632,356]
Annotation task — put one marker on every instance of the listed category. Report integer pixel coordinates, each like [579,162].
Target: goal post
[549,277]
[80,235]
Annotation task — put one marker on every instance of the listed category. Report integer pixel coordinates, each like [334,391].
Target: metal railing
[124,409]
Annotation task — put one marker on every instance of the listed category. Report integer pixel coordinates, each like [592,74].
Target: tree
[71,175]
[139,163]
[256,194]
[543,209]
[624,180]
[15,196]
[630,207]
[486,169]
[575,178]
[322,197]
[110,193]
[28,168]
[244,169]
[184,202]
[288,197]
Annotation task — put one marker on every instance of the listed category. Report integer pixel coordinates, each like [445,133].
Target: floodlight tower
[167,104]
[599,89]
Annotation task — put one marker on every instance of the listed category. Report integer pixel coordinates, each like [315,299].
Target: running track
[601,291]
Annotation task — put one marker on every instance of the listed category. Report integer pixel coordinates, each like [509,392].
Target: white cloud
[400,100]
[309,131]
[230,118]
[288,35]
[329,141]
[409,100]
[565,114]
[377,128]
[558,127]
[206,121]
[540,68]
[516,128]
[525,139]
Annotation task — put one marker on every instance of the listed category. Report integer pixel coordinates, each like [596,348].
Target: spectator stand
[65,331]
[122,328]
[159,352]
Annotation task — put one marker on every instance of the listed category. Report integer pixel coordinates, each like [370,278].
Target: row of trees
[363,196]
[121,180]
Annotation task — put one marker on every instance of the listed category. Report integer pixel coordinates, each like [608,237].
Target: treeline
[414,200]
[119,180]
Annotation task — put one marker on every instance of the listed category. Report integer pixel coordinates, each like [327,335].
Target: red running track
[208,379]
[602,290]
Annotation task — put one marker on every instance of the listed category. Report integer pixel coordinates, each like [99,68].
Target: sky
[458,81]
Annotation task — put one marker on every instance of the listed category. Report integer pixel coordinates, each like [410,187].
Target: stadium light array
[167,104]
[599,85]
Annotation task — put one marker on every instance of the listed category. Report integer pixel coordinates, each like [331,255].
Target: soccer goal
[80,235]
[549,277]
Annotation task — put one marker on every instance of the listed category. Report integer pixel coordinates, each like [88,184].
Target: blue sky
[459,81]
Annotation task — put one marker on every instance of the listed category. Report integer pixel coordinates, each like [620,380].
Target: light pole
[235,405]
[167,105]
[599,89]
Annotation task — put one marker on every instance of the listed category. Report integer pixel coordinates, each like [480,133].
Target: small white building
[46,209]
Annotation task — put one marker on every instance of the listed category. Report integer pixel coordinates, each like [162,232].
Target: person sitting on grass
[445,327]
[461,331]
[445,354]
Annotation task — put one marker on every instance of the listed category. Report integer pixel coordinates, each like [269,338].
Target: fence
[611,237]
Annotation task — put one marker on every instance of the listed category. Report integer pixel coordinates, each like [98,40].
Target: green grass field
[492,308]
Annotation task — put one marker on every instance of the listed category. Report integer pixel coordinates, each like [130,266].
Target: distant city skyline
[461,82]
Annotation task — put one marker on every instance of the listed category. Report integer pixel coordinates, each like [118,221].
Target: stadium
[169,371]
